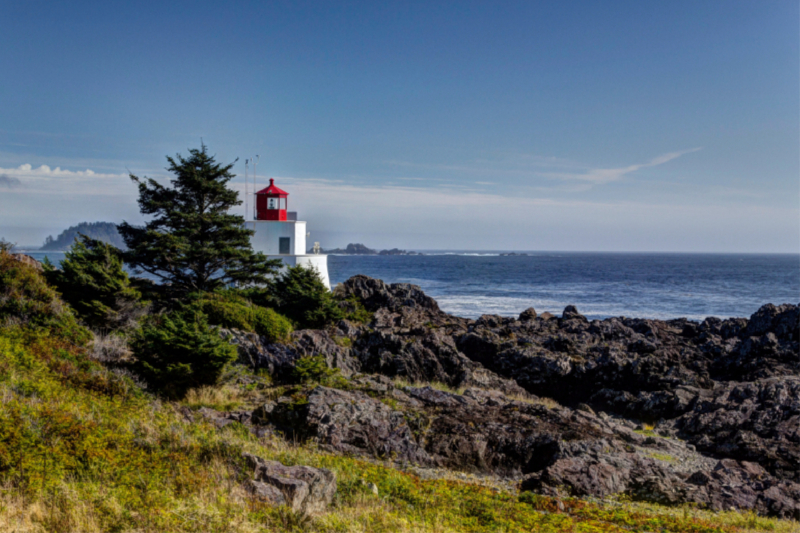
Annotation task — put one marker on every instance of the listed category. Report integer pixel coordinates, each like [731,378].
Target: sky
[587,126]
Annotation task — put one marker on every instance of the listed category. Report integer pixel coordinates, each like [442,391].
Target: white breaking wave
[473,306]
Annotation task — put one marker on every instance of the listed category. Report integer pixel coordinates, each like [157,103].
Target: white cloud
[58,181]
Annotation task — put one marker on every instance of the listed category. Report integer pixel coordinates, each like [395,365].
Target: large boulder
[28,260]
[280,359]
[349,422]
[375,294]
[303,489]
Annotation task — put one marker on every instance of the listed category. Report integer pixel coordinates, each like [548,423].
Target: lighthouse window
[283,245]
[272,203]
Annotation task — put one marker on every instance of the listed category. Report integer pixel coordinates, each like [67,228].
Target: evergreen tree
[92,281]
[304,298]
[179,350]
[192,243]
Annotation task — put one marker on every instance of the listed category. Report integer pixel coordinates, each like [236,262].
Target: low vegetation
[315,369]
[84,448]
[178,351]
[102,425]
[27,300]
[231,310]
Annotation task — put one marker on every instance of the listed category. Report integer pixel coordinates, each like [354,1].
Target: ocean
[600,285]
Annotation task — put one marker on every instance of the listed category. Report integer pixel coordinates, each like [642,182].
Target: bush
[228,310]
[315,369]
[178,351]
[92,281]
[262,295]
[111,348]
[303,297]
[353,310]
[27,300]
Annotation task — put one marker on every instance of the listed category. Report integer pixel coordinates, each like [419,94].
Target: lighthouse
[279,235]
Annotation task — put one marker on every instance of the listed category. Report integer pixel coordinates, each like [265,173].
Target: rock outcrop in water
[667,411]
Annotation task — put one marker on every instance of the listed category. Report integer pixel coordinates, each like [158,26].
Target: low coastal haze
[613,126]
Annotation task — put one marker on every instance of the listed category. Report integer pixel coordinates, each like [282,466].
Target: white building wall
[267,240]
[269,232]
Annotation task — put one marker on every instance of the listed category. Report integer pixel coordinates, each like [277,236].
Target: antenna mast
[246,194]
[255,162]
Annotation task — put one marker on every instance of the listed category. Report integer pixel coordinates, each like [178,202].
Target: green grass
[82,449]
[667,458]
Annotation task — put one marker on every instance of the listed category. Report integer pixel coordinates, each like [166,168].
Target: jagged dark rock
[553,448]
[757,421]
[375,294]
[716,403]
[279,359]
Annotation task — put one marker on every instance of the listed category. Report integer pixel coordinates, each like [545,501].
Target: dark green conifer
[304,298]
[91,279]
[193,244]
[177,351]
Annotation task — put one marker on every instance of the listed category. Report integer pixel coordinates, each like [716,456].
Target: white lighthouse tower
[279,235]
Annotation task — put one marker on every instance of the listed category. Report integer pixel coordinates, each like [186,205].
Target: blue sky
[631,126]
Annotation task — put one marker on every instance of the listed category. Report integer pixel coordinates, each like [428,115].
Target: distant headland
[102,231]
[360,249]
[107,232]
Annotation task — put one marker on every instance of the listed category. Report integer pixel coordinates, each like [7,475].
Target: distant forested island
[360,249]
[102,231]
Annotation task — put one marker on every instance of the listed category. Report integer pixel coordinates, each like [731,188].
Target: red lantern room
[271,203]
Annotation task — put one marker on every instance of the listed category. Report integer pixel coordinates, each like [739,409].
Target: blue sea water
[601,285]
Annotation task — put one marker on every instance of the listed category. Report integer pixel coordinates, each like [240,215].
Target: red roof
[272,189]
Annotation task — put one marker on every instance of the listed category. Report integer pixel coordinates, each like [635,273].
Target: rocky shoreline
[665,411]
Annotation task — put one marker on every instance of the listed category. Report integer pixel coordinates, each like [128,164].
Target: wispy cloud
[607,175]
[503,162]
[416,214]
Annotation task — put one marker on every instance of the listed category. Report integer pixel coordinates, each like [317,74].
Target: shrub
[92,281]
[314,369]
[111,348]
[179,350]
[262,295]
[27,300]
[231,311]
[303,298]
[353,310]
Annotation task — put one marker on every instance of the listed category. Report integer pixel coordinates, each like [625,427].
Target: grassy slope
[84,449]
